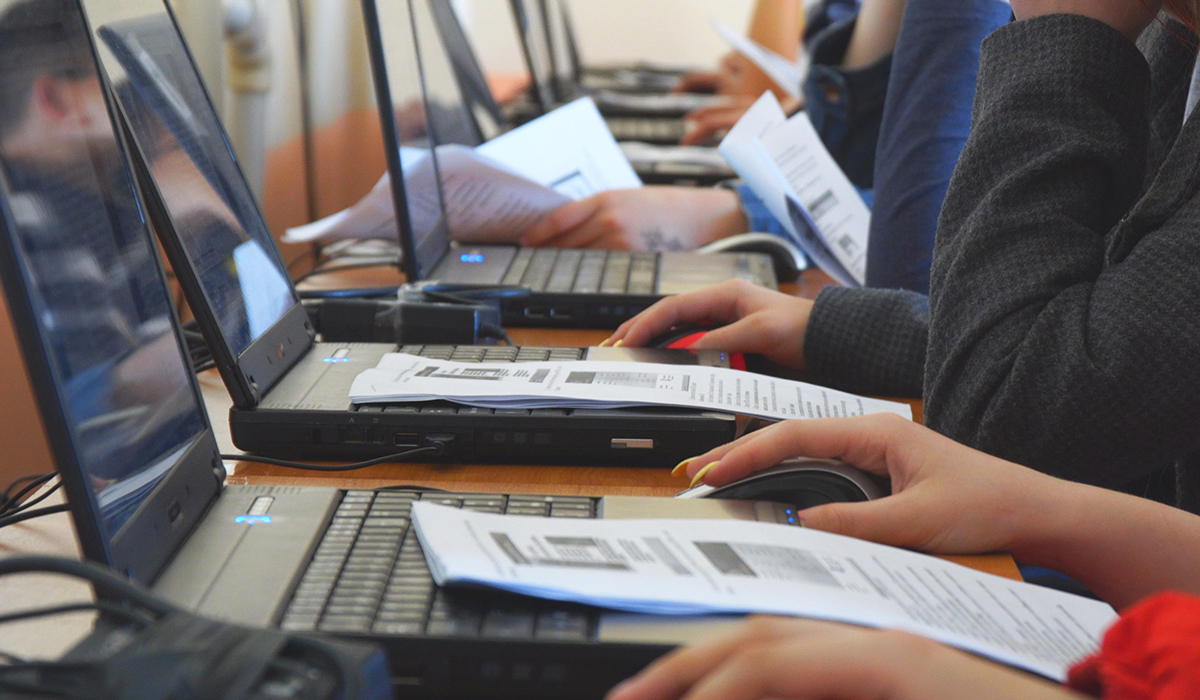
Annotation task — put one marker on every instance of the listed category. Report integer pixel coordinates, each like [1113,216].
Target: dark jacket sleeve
[868,341]
[1064,329]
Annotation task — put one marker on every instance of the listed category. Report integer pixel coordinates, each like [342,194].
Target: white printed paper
[787,75]
[569,150]
[689,567]
[835,207]
[590,384]
[782,158]
[496,192]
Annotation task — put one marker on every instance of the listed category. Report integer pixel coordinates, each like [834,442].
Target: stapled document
[782,159]
[591,384]
[690,567]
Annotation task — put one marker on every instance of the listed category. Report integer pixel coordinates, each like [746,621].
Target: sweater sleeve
[1063,319]
[868,341]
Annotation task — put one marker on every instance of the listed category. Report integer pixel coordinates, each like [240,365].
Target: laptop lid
[528,18]
[489,118]
[89,300]
[209,223]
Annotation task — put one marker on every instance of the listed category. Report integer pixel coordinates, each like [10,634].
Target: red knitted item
[1151,653]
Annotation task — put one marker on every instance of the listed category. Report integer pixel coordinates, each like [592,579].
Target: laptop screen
[531,27]
[489,120]
[206,196]
[83,271]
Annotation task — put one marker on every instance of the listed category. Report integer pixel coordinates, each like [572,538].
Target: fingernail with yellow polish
[681,467]
[618,343]
[604,343]
[700,474]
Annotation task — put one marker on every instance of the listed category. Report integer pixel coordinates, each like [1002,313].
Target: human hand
[647,218]
[946,498]
[1129,17]
[699,81]
[751,319]
[707,123]
[771,657]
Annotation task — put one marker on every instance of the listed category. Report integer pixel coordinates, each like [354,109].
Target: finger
[693,466]
[706,128]
[862,441]
[672,675]
[563,219]
[893,520]
[718,304]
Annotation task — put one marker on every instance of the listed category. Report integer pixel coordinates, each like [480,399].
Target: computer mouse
[801,482]
[684,337]
[786,258]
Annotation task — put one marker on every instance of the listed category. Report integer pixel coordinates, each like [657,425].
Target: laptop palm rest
[474,264]
[243,559]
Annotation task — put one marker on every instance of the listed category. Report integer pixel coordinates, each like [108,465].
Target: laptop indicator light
[471,257]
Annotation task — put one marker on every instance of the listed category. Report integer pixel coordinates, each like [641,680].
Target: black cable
[35,482]
[437,448]
[211,364]
[364,293]
[106,583]
[29,504]
[487,330]
[337,268]
[100,605]
[24,515]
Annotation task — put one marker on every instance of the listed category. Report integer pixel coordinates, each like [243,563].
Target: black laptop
[654,166]
[568,288]
[142,471]
[291,394]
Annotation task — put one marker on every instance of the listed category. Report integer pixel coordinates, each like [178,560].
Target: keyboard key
[345,623]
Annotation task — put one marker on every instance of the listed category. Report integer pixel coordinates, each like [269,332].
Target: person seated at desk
[1141,557]
[1059,331]
[905,147]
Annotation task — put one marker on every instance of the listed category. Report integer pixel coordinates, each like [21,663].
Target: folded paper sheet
[401,377]
[690,567]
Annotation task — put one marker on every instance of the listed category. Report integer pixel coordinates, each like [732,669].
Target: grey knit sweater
[1063,328]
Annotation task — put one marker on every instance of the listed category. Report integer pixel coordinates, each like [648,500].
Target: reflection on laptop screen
[91,278]
[206,195]
[529,18]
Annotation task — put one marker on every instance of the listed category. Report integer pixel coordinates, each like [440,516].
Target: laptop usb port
[406,440]
[563,312]
[536,312]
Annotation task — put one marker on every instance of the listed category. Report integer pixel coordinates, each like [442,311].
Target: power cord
[437,448]
[146,647]
[15,509]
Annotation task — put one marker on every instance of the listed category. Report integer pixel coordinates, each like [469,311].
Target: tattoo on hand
[655,239]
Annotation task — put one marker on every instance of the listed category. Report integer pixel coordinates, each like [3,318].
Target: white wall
[669,31]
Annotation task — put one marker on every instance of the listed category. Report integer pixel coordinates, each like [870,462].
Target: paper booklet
[787,75]
[782,159]
[590,384]
[690,567]
[494,192]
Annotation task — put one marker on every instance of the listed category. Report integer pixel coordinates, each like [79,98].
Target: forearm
[875,32]
[777,25]
[1121,547]
[1040,329]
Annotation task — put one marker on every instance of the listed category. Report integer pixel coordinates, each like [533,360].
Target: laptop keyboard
[669,131]
[369,575]
[583,271]
[494,353]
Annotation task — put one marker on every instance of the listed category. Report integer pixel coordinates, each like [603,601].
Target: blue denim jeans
[926,120]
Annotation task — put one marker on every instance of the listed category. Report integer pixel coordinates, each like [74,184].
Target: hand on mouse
[647,218]
[773,657]
[947,498]
[752,319]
